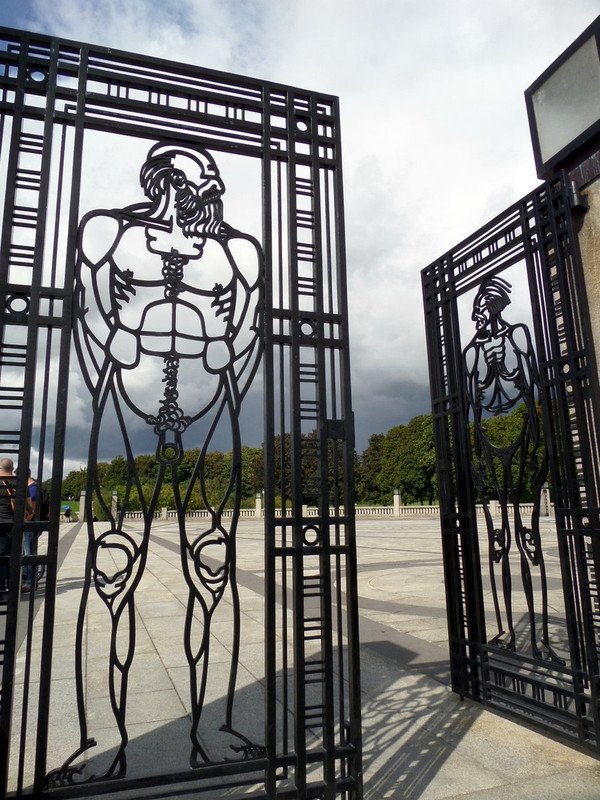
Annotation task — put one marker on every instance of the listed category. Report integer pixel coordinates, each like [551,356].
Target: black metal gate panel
[514,395]
[124,273]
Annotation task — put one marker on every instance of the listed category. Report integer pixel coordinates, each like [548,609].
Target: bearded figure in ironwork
[501,373]
[169,302]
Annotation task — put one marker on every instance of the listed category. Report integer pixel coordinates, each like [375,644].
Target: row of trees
[112,476]
[403,458]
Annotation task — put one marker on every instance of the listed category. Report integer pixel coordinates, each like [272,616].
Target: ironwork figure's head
[189,176]
[491,299]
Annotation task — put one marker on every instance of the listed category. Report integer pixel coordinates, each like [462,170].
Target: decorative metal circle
[37,75]
[311,535]
[308,328]
[17,304]
[169,452]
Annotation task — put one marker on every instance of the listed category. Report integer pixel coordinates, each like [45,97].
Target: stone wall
[589,243]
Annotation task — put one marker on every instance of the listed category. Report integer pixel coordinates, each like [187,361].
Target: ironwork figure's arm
[246,258]
[471,359]
[535,457]
[101,288]
[528,380]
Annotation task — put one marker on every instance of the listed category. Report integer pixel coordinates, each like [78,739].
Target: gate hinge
[577,202]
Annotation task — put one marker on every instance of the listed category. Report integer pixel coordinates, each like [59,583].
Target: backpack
[43,503]
[11,492]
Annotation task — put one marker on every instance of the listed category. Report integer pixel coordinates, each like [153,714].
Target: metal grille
[507,335]
[107,276]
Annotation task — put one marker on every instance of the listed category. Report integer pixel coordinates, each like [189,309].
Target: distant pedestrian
[67,513]
[29,539]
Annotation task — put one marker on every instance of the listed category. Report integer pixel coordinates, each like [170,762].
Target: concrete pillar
[163,512]
[114,505]
[397,502]
[82,506]
[305,511]
[545,501]
[258,505]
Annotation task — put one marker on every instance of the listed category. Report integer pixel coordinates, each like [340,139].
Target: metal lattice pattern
[508,333]
[197,293]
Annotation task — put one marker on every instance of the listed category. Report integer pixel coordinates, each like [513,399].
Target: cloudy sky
[434,127]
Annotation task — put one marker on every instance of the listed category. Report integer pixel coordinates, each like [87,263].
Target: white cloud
[435,134]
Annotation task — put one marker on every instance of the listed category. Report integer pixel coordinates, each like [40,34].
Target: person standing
[8,486]
[29,536]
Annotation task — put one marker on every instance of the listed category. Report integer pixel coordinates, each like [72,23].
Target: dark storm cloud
[395,403]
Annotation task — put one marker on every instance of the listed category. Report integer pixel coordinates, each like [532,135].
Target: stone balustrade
[311,511]
[395,511]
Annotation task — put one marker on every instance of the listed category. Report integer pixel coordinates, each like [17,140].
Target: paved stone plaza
[420,740]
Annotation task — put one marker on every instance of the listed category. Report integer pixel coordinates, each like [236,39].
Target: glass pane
[569,101]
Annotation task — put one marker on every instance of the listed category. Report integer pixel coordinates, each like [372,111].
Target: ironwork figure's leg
[529,543]
[208,561]
[528,551]
[546,651]
[240,745]
[114,566]
[503,555]
[527,539]
[494,549]
[506,572]
[197,650]
[499,541]
[117,565]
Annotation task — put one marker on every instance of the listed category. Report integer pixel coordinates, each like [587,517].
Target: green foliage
[252,471]
[187,464]
[407,462]
[218,477]
[505,429]
[283,465]
[115,473]
[390,476]
[147,467]
[73,484]
[402,458]
[504,432]
[367,469]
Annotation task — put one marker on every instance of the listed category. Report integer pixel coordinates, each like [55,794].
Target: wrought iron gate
[160,293]
[515,403]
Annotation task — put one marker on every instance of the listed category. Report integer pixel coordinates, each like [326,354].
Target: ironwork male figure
[501,373]
[169,308]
